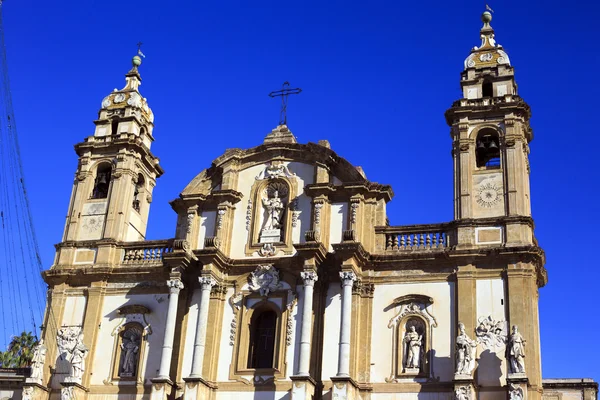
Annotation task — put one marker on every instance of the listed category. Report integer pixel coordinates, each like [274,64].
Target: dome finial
[136,61]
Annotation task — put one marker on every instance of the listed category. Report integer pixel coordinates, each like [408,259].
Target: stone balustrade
[487,101]
[146,252]
[415,237]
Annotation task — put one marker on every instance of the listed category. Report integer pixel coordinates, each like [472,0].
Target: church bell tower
[117,172]
[491,134]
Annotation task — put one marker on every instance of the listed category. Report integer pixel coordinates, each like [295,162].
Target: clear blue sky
[376,79]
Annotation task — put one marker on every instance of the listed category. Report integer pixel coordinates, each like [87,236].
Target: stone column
[348,279]
[309,278]
[206,284]
[175,285]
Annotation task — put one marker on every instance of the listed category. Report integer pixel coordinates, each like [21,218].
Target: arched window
[487,150]
[487,89]
[139,187]
[263,328]
[102,181]
[130,347]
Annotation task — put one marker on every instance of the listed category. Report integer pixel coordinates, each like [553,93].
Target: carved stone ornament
[309,277]
[292,300]
[235,302]
[220,214]
[248,214]
[318,207]
[174,285]
[354,210]
[295,212]
[265,279]
[515,392]
[413,308]
[189,223]
[462,393]
[267,250]
[348,278]
[276,169]
[490,333]
[66,393]
[133,314]
[464,353]
[27,393]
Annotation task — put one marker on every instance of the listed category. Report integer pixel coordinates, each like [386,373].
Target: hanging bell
[480,146]
[493,145]
[102,179]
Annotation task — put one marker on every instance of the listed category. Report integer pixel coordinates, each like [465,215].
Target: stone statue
[80,352]
[516,351]
[27,393]
[38,360]
[413,342]
[274,207]
[130,348]
[465,352]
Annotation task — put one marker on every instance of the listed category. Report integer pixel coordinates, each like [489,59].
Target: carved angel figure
[274,207]
[37,362]
[516,392]
[465,352]
[490,333]
[517,351]
[413,342]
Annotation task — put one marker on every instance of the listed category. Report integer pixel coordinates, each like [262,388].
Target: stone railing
[428,237]
[487,101]
[146,252]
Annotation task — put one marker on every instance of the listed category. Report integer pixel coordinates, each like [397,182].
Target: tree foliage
[19,352]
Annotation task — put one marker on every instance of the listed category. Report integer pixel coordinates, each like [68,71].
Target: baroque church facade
[285,279]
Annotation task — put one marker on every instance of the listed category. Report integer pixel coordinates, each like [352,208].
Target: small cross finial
[139,46]
[284,93]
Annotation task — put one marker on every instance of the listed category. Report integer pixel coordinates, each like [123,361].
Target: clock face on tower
[488,195]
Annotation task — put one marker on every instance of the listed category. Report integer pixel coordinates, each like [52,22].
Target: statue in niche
[274,206]
[413,343]
[130,347]
[517,352]
[465,352]
[38,360]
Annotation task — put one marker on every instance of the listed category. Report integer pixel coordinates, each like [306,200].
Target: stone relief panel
[491,334]
[488,195]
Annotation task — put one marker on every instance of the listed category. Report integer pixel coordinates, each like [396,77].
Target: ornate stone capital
[206,282]
[347,277]
[309,278]
[174,285]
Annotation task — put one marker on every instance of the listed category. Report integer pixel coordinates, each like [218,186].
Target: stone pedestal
[34,390]
[303,387]
[197,389]
[343,388]
[516,385]
[161,388]
[464,389]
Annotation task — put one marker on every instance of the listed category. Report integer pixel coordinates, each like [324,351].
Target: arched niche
[412,324]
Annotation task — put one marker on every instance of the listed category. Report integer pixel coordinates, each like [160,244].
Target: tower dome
[489,53]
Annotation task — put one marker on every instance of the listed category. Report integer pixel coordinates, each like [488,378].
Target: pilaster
[466,302]
[93,316]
